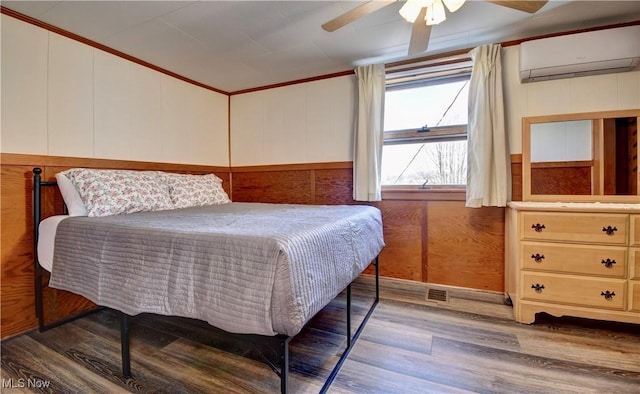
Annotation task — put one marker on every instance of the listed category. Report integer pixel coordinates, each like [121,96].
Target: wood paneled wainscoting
[17,266]
[430,236]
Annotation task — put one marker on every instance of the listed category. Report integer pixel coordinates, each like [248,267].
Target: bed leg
[377,264]
[284,367]
[349,316]
[39,306]
[124,344]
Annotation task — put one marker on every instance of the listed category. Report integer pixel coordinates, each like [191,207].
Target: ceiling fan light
[435,13]
[410,10]
[453,5]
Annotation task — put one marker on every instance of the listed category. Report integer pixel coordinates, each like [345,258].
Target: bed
[256,271]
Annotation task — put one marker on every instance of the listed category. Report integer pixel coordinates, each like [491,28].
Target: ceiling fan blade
[526,6]
[358,12]
[420,34]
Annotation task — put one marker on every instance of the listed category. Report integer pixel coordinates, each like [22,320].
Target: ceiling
[236,45]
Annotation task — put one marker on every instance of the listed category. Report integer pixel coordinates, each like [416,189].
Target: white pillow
[114,192]
[70,195]
[195,190]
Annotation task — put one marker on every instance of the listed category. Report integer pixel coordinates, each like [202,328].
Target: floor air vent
[437,295]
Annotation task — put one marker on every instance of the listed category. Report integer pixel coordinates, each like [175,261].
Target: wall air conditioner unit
[589,53]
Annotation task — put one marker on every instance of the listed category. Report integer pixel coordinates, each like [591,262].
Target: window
[425,126]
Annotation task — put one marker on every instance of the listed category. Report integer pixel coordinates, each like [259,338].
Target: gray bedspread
[243,267]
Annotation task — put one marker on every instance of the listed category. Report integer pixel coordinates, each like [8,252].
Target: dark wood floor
[410,345]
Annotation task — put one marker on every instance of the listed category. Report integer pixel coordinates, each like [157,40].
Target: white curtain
[488,171]
[369,133]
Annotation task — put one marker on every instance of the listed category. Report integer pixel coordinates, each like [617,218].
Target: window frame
[430,134]
[413,75]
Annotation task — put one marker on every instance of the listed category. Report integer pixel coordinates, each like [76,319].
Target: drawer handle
[608,295]
[537,287]
[609,230]
[608,263]
[539,257]
[538,227]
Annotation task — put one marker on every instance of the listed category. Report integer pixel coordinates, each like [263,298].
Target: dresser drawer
[578,259]
[634,263]
[574,290]
[635,230]
[602,228]
[634,295]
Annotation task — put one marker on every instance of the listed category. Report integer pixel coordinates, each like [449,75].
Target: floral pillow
[114,192]
[196,190]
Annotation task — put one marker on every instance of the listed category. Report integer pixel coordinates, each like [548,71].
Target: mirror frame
[597,119]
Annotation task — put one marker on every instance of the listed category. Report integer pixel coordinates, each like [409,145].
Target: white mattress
[46,240]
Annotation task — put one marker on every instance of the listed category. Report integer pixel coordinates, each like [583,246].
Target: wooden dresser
[573,259]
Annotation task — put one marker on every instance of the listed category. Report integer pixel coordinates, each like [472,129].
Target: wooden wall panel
[561,180]
[465,246]
[16,257]
[334,186]
[403,223]
[16,267]
[288,186]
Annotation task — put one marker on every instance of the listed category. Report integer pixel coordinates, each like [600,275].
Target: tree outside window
[425,133]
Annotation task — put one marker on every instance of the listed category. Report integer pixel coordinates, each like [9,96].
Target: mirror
[581,157]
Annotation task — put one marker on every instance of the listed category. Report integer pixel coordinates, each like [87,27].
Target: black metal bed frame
[277,346]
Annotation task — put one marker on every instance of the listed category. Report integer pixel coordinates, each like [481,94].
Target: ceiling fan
[423,14]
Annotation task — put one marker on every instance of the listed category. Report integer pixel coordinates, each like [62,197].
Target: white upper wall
[24,81]
[64,98]
[562,96]
[61,97]
[303,123]
[313,122]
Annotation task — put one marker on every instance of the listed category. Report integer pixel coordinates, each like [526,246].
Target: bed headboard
[38,184]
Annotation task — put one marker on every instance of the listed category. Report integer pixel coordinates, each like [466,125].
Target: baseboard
[478,301]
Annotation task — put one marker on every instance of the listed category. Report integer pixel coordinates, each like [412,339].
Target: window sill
[416,193]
